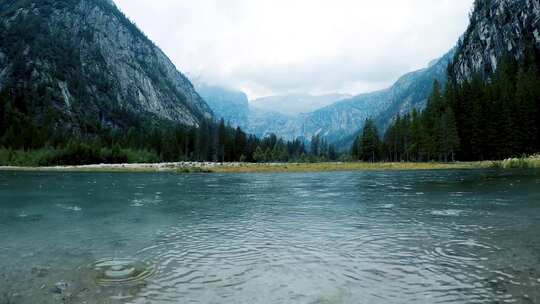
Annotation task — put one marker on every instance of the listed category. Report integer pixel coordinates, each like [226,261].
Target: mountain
[231,105]
[234,108]
[295,104]
[79,66]
[496,75]
[339,122]
[497,28]
[263,123]
[412,90]
[490,109]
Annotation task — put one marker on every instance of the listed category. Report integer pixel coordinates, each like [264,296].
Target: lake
[350,237]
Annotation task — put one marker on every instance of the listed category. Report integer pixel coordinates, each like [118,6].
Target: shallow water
[362,237]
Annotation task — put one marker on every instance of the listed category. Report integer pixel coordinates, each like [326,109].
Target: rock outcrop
[341,121]
[231,105]
[497,28]
[296,104]
[90,65]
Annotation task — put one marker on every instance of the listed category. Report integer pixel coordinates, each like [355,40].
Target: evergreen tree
[417,135]
[332,154]
[315,146]
[222,141]
[475,120]
[448,136]
[259,156]
[369,143]
[240,144]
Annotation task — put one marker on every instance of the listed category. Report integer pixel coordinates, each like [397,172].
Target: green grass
[531,162]
[67,160]
[345,166]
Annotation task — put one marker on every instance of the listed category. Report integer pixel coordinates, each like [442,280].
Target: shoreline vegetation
[532,162]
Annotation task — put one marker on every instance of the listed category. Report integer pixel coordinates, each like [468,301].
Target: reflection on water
[372,237]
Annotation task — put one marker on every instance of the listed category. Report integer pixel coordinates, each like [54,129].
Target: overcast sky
[269,47]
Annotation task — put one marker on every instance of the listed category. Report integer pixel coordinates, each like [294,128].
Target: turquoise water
[362,237]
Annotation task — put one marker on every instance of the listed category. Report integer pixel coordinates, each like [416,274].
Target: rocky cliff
[296,104]
[231,105]
[340,121]
[497,28]
[82,63]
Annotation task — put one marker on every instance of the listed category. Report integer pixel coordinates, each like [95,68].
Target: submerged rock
[60,287]
[40,272]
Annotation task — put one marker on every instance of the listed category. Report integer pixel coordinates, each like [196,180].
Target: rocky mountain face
[89,66]
[231,105]
[296,104]
[412,90]
[263,123]
[341,121]
[234,107]
[497,28]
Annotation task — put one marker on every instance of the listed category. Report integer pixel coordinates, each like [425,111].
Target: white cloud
[269,47]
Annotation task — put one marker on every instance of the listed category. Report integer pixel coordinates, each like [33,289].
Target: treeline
[38,128]
[23,143]
[479,119]
[34,132]
[25,140]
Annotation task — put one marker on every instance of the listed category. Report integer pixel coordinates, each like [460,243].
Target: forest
[36,130]
[475,120]
[24,144]
[480,119]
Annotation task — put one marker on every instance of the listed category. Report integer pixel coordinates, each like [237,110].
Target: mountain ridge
[296,104]
[497,28]
[95,68]
[340,121]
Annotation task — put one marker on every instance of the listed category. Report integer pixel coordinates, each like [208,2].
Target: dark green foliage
[367,146]
[321,150]
[45,55]
[76,154]
[92,126]
[23,144]
[476,120]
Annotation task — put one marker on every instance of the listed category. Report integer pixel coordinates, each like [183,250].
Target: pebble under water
[349,237]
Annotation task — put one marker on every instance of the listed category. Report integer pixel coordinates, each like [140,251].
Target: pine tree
[449,138]
[370,143]
[416,136]
[332,154]
[316,146]
[222,140]
[240,144]
[259,155]
[355,149]
[524,113]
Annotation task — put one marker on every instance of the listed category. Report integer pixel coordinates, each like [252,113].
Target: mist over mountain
[338,122]
[296,104]
[81,69]
[341,120]
[231,105]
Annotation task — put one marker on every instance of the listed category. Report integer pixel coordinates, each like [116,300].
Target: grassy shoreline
[209,167]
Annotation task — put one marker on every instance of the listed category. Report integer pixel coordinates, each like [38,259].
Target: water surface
[351,237]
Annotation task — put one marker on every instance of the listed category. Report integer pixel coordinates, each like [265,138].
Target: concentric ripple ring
[122,272]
